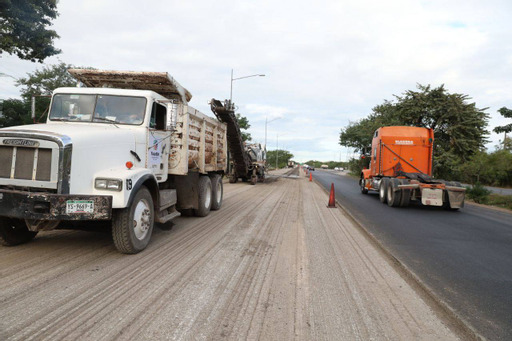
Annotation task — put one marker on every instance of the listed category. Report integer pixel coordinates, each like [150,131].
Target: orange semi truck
[401,170]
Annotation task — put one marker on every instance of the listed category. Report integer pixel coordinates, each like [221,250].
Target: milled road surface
[273,264]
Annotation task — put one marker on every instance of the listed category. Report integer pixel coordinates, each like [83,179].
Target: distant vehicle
[401,170]
[324,166]
[311,168]
[337,168]
[291,164]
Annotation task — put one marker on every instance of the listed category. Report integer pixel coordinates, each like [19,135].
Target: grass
[498,200]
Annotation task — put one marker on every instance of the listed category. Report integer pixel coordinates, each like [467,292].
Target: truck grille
[29,163]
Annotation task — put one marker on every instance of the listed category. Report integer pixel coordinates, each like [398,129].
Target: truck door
[159,142]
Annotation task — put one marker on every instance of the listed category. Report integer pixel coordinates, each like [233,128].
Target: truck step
[162,219]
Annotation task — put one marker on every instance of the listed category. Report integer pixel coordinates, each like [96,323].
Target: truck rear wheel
[132,226]
[406,194]
[383,189]
[205,196]
[394,194]
[217,191]
[14,232]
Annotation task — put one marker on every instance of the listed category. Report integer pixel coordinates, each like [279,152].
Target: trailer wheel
[217,191]
[14,232]
[383,189]
[204,204]
[406,194]
[364,190]
[394,194]
[132,226]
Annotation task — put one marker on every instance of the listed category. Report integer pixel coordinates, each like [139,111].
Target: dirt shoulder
[273,263]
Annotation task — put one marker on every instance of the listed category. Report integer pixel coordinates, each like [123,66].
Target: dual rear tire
[390,193]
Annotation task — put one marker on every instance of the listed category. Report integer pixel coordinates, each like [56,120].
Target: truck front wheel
[204,196]
[132,226]
[14,232]
[364,190]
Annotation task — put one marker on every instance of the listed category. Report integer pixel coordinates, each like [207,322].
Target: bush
[478,193]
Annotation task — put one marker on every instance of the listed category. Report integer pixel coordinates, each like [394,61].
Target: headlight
[109,184]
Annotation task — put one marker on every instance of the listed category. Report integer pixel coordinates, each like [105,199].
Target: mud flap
[456,198]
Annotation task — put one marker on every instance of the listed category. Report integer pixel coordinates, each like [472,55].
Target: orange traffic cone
[332,198]
[310,177]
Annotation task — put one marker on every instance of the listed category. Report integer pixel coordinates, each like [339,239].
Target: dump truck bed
[198,144]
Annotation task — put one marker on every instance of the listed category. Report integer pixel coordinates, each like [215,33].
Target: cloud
[326,63]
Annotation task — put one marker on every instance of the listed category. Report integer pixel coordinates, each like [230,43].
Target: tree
[459,127]
[42,83]
[14,112]
[243,123]
[505,112]
[23,28]
[281,156]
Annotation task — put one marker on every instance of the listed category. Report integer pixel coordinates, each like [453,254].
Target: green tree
[24,28]
[281,156]
[243,123]
[41,83]
[14,112]
[505,112]
[459,126]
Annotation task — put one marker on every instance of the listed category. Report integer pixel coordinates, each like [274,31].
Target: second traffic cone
[332,198]
[310,177]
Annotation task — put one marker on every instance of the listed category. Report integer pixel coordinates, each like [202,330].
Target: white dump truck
[124,148]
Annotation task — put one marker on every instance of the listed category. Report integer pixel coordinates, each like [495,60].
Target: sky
[326,63]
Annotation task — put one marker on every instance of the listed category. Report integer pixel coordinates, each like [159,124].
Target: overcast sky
[327,63]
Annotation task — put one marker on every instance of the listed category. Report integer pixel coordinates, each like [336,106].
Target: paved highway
[465,257]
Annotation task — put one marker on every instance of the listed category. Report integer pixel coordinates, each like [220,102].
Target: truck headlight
[108,184]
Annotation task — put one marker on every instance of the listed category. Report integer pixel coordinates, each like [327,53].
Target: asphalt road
[465,257]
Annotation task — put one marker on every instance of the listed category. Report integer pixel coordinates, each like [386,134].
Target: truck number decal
[129,184]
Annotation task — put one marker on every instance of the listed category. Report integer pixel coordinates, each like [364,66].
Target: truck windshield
[98,108]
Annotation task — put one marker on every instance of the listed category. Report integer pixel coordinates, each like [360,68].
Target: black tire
[406,194]
[254,180]
[364,190]
[233,179]
[14,232]
[204,189]
[383,190]
[394,194]
[132,226]
[217,191]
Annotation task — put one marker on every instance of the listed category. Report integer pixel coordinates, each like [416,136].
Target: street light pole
[235,79]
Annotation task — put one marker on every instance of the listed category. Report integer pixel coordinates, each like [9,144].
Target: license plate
[79,206]
[432,197]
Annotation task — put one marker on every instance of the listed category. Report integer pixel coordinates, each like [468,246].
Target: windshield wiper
[106,120]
